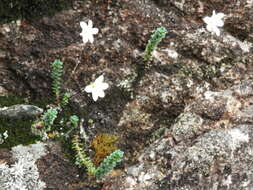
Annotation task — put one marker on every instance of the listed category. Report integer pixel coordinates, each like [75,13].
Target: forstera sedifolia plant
[57,70]
[153,42]
[104,168]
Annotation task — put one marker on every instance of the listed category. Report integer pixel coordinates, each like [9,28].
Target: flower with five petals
[87,31]
[214,22]
[97,88]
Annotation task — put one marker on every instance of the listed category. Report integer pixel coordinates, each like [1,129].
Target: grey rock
[208,147]
[187,126]
[191,94]
[20,111]
[218,160]
[134,170]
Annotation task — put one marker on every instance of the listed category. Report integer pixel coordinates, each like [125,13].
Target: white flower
[97,88]
[5,134]
[214,22]
[88,32]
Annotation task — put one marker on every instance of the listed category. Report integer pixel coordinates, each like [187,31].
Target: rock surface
[46,160]
[20,111]
[185,119]
[201,150]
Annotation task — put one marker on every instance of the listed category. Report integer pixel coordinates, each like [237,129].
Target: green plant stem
[153,42]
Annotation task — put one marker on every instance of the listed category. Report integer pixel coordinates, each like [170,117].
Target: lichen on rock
[20,111]
[23,174]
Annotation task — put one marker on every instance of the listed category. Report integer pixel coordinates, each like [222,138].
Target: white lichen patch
[228,181]
[216,143]
[187,126]
[249,3]
[131,182]
[180,4]
[232,104]
[164,56]
[36,150]
[209,95]
[245,46]
[127,84]
[171,53]
[23,174]
[237,138]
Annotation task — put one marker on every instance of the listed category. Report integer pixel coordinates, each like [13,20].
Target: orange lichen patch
[51,135]
[103,144]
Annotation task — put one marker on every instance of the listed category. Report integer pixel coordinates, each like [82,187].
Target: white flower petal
[100,79]
[216,30]
[101,94]
[95,96]
[219,23]
[83,25]
[88,89]
[97,88]
[5,134]
[210,28]
[104,86]
[95,30]
[91,38]
[219,16]
[85,39]
[88,32]
[90,24]
[207,19]
[214,13]
[214,22]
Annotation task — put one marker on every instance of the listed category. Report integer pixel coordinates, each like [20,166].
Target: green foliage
[17,129]
[109,163]
[81,158]
[57,70]
[11,100]
[49,117]
[18,133]
[65,99]
[74,120]
[105,167]
[153,42]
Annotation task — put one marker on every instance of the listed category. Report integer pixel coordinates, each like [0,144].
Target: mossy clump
[14,9]
[104,145]
[107,164]
[11,100]
[19,131]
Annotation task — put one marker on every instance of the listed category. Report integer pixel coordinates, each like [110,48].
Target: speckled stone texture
[184,120]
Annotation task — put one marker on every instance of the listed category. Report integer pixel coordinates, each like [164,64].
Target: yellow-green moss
[11,100]
[104,144]
[19,131]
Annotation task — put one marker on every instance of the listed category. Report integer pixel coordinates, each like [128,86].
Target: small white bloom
[5,134]
[97,88]
[214,22]
[88,32]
